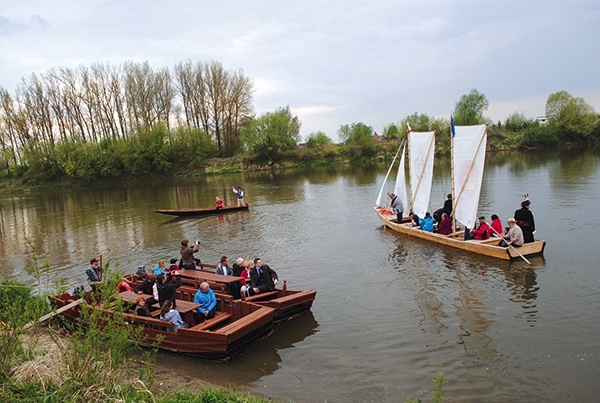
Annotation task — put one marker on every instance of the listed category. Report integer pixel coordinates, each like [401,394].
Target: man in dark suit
[262,278]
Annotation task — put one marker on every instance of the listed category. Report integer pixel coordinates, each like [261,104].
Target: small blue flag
[452,126]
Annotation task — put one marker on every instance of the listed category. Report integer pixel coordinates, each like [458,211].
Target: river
[390,312]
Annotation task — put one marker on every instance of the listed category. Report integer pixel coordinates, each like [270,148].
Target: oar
[510,246]
[248,204]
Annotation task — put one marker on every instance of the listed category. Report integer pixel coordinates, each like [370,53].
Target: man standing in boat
[240,196]
[437,214]
[187,254]
[94,272]
[524,219]
[396,205]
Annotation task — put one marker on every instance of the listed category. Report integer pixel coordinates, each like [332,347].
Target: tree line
[107,121]
[66,110]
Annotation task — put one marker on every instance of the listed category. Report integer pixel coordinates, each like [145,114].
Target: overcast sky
[332,62]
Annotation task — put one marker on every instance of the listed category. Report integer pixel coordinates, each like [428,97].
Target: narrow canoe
[488,247]
[233,329]
[202,211]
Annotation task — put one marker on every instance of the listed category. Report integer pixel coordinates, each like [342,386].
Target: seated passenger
[514,235]
[481,232]
[218,203]
[223,267]
[149,287]
[262,278]
[123,286]
[208,303]
[159,268]
[414,220]
[168,313]
[172,265]
[427,222]
[496,226]
[141,309]
[246,275]
[445,226]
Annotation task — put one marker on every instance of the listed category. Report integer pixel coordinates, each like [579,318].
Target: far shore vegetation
[105,122]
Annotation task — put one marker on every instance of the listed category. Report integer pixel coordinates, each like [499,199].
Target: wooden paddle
[510,246]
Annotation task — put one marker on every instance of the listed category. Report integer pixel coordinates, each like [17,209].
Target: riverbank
[299,158]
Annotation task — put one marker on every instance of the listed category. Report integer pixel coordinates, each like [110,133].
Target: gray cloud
[333,62]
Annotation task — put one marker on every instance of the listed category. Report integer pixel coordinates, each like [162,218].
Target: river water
[390,312]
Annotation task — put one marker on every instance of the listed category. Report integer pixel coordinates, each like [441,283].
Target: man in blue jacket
[208,303]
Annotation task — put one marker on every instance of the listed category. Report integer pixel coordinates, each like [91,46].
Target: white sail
[400,186]
[467,163]
[421,153]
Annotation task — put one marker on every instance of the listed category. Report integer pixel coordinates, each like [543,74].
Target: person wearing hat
[94,274]
[524,218]
[514,235]
[396,205]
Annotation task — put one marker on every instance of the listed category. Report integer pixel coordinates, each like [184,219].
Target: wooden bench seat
[260,296]
[155,323]
[219,318]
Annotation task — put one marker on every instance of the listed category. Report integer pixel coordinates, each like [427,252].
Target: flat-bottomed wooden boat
[202,211]
[234,327]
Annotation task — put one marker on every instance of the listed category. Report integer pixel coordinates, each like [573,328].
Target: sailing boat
[421,152]
[468,159]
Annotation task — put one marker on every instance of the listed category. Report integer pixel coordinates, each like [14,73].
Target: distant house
[542,119]
[378,138]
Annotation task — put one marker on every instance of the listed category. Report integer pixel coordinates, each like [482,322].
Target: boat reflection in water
[260,360]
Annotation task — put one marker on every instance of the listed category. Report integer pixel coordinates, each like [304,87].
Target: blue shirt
[207,299]
[426,224]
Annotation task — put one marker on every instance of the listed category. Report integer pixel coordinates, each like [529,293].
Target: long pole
[378,201]
[510,246]
[452,176]
[101,267]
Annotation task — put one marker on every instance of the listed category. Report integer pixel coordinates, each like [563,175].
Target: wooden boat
[286,303]
[234,327]
[488,247]
[203,211]
[467,168]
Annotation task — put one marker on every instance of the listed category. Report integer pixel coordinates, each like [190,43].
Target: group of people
[159,285]
[519,231]
[239,194]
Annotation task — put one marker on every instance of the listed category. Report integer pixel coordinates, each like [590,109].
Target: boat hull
[487,247]
[202,211]
[248,324]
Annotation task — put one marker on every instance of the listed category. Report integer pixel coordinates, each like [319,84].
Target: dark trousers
[199,318]
[261,288]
